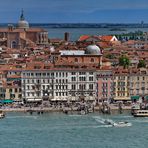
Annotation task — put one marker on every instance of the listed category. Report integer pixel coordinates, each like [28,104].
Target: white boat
[122,124]
[2,115]
[117,124]
[140,113]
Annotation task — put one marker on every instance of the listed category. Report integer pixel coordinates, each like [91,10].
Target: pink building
[104,85]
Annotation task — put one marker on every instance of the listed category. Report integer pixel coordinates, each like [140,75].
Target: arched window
[92,60]
[13,44]
[76,59]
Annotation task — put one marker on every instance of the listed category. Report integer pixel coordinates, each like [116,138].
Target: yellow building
[121,85]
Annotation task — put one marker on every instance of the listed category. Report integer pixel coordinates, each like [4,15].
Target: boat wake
[101,120]
[82,127]
[112,123]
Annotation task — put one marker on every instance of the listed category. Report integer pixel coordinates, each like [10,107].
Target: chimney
[66,36]
[10,27]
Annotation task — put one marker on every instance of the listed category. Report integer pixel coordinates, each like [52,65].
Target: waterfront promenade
[113,108]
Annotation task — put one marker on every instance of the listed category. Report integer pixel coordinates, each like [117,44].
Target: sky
[75,11]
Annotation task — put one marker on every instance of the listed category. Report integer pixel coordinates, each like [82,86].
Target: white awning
[34,100]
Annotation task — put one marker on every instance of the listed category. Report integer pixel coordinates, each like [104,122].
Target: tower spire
[22,18]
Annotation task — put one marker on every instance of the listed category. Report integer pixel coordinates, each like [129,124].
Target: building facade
[22,35]
[58,85]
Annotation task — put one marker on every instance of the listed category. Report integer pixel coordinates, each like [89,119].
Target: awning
[6,101]
[146,97]
[122,99]
[33,100]
[135,97]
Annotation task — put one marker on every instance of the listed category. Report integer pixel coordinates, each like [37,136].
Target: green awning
[6,101]
[135,97]
[146,97]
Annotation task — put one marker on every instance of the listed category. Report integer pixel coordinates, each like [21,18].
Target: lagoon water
[56,130]
[75,33]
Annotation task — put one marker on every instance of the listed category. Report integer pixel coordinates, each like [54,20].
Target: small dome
[23,24]
[93,49]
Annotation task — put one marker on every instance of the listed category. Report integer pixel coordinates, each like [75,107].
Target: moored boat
[2,115]
[140,113]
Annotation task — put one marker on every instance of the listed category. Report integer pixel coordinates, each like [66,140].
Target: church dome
[93,49]
[23,24]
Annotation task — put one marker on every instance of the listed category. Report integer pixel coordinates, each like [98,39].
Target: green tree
[141,64]
[124,61]
[110,56]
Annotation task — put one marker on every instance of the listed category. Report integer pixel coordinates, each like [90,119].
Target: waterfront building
[41,82]
[121,84]
[22,35]
[104,85]
[11,82]
[138,82]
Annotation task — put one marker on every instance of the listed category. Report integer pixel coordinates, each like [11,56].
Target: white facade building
[60,85]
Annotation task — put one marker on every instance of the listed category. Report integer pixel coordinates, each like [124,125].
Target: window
[15,89]
[44,87]
[10,90]
[90,86]
[82,73]
[52,74]
[90,73]
[73,87]
[73,78]
[66,74]
[92,60]
[76,59]
[91,78]
[13,44]
[44,74]
[82,79]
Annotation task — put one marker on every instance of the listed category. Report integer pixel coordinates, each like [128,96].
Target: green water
[56,130]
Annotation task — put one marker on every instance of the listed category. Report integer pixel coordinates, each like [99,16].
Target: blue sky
[75,11]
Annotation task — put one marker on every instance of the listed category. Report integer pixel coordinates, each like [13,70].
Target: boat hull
[141,113]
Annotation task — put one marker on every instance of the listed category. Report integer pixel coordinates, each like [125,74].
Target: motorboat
[140,113]
[117,124]
[122,124]
[2,115]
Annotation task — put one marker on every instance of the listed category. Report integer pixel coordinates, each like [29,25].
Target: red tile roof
[83,37]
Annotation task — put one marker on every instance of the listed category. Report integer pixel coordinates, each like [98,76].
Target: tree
[124,61]
[141,64]
[110,56]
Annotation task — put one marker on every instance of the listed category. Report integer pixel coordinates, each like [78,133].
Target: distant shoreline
[83,25]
